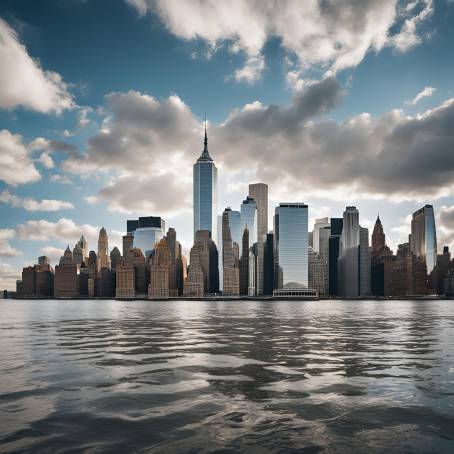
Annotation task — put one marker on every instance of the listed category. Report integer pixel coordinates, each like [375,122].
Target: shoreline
[243,298]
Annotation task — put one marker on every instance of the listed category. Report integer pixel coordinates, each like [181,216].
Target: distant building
[423,239]
[146,231]
[364,262]
[66,279]
[83,245]
[381,262]
[135,257]
[205,191]
[160,271]
[244,264]
[318,273]
[103,250]
[128,241]
[105,283]
[268,265]
[231,275]
[318,225]
[409,274]
[333,254]
[194,282]
[115,257]
[125,279]
[209,260]
[291,249]
[248,219]
[440,271]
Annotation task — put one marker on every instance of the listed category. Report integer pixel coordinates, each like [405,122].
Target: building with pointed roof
[205,191]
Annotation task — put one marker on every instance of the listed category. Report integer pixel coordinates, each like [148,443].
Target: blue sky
[101,108]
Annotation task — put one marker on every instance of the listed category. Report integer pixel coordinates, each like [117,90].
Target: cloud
[64,230]
[61,179]
[445,227]
[326,36]
[16,166]
[8,277]
[30,204]
[53,253]
[24,83]
[164,194]
[46,161]
[6,250]
[427,91]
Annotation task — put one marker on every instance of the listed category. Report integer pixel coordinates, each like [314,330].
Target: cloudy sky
[331,103]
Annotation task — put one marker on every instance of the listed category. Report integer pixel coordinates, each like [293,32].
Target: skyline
[255,122]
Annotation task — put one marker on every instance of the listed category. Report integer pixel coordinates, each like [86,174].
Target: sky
[331,103]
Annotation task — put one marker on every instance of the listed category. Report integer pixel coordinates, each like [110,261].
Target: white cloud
[16,166]
[30,204]
[64,230]
[327,36]
[46,160]
[61,179]
[6,250]
[23,81]
[8,277]
[52,252]
[427,91]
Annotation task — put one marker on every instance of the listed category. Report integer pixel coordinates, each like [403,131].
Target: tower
[103,248]
[205,191]
[424,236]
[378,237]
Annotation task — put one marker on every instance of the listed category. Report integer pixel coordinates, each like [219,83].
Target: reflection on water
[331,376]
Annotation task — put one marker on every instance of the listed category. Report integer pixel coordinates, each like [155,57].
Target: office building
[160,271]
[205,192]
[381,262]
[291,250]
[409,274]
[259,192]
[318,273]
[231,277]
[125,280]
[248,212]
[194,282]
[423,240]
[364,262]
[268,265]
[66,278]
[333,255]
[135,257]
[103,250]
[318,225]
[244,264]
[146,231]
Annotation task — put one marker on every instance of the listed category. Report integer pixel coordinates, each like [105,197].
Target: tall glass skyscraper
[423,242]
[205,192]
[291,245]
[249,220]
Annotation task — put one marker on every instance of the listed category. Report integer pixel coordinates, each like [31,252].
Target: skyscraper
[423,241]
[349,254]
[334,245]
[205,192]
[231,277]
[160,271]
[208,258]
[268,265]
[103,250]
[244,264]
[291,248]
[364,262]
[319,224]
[147,231]
[194,282]
[259,192]
[82,243]
[318,272]
[248,219]
[381,262]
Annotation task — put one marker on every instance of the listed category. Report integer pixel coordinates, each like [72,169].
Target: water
[186,376]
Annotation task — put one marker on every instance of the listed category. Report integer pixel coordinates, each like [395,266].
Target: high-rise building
[103,250]
[252,283]
[125,280]
[319,224]
[128,241]
[105,283]
[83,245]
[244,264]
[146,231]
[160,271]
[409,274]
[115,257]
[231,277]
[249,220]
[135,257]
[78,255]
[259,192]
[66,279]
[423,240]
[381,262]
[333,254]
[440,271]
[194,282]
[205,192]
[291,243]
[208,258]
[268,265]
[318,272]
[348,273]
[364,262]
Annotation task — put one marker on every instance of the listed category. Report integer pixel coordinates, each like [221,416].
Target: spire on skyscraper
[205,156]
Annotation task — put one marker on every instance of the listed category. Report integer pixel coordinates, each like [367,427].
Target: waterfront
[188,376]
